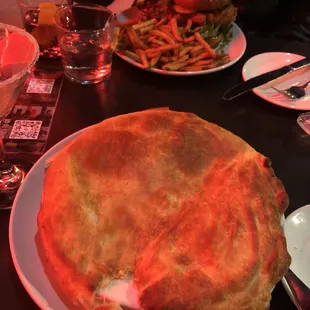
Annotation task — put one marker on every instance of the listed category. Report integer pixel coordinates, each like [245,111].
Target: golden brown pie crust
[187,207]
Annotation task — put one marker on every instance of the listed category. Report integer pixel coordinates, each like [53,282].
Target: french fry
[162,21]
[174,29]
[174,67]
[164,48]
[165,27]
[162,35]
[154,45]
[158,42]
[192,43]
[188,25]
[116,37]
[153,55]
[146,29]
[196,50]
[143,58]
[135,40]
[189,39]
[154,60]
[180,60]
[168,32]
[151,38]
[184,51]
[144,24]
[203,62]
[132,55]
[223,56]
[184,63]
[206,46]
[201,56]
[131,38]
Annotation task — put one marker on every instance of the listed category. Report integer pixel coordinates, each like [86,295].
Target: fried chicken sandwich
[212,18]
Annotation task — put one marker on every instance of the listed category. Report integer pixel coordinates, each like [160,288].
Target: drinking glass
[85,33]
[38,20]
[19,51]
[303,121]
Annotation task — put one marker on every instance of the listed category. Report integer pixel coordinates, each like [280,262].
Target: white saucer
[297,233]
[265,62]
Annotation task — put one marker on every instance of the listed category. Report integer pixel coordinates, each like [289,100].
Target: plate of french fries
[162,46]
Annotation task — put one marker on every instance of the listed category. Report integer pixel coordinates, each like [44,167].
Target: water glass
[85,33]
[38,20]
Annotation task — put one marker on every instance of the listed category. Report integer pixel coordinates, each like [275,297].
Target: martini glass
[19,51]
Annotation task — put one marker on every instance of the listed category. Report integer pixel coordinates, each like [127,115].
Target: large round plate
[265,62]
[235,49]
[23,245]
[297,233]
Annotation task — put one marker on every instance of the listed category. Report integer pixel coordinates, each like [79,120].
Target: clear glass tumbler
[85,34]
[38,20]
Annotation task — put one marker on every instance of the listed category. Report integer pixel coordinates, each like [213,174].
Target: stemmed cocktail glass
[19,52]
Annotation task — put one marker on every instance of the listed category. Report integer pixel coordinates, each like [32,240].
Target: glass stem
[5,163]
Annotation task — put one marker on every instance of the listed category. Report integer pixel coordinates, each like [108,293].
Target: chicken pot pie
[188,209]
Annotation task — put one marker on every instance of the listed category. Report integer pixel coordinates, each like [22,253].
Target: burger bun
[202,5]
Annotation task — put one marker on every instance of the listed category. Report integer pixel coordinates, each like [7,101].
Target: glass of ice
[38,20]
[85,33]
[19,51]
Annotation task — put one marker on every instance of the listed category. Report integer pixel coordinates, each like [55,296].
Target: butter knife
[264,78]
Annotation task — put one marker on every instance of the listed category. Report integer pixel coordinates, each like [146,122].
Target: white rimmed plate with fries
[162,46]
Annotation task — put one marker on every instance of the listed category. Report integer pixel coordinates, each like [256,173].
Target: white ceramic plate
[297,233]
[22,239]
[22,234]
[117,6]
[235,49]
[265,62]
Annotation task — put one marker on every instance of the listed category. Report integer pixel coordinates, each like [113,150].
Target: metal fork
[293,92]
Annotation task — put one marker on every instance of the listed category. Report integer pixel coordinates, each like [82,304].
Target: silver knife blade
[262,79]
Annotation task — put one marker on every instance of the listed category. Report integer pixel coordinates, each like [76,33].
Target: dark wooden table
[271,130]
